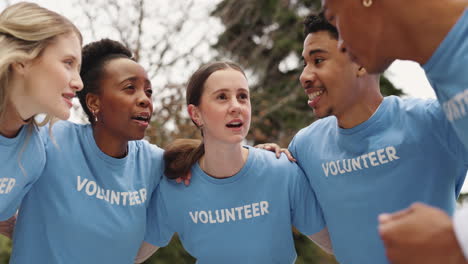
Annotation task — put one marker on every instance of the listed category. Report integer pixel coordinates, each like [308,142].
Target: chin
[239,139]
[140,137]
[136,136]
[322,114]
[62,115]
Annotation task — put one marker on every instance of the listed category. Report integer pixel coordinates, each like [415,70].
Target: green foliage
[5,249]
[307,252]
[172,253]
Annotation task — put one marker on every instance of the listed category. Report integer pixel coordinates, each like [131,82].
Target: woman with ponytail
[40,57]
[241,202]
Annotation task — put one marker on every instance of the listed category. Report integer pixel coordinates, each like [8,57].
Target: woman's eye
[244,96]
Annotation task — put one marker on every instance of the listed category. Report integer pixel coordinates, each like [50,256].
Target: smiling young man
[363,156]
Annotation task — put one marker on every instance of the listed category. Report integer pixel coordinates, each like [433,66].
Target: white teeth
[144,118]
[314,95]
[235,123]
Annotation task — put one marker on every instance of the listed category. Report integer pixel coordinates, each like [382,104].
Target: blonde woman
[40,57]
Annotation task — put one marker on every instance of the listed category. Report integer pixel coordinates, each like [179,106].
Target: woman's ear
[194,114]
[19,67]
[93,103]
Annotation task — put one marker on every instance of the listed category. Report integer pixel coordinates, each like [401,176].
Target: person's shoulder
[412,104]
[146,147]
[316,130]
[269,159]
[170,188]
[62,132]
[419,109]
[66,127]
[278,171]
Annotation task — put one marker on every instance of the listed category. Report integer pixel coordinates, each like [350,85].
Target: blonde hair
[26,29]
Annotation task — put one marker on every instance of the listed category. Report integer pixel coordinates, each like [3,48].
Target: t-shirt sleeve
[293,147]
[306,213]
[157,163]
[447,136]
[24,164]
[158,230]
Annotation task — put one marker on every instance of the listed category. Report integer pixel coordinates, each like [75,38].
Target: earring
[95,116]
[367,3]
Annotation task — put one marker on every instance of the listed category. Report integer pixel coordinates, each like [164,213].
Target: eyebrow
[133,79]
[228,90]
[314,51]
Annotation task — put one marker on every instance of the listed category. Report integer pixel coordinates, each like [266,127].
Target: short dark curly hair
[95,56]
[317,22]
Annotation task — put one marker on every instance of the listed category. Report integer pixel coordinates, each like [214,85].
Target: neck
[21,102]
[223,161]
[110,144]
[368,99]
[421,25]
[11,121]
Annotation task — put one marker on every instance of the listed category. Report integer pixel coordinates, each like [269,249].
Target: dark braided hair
[95,57]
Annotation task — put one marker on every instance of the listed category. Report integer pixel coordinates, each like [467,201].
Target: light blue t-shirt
[22,159]
[87,207]
[406,152]
[447,73]
[245,218]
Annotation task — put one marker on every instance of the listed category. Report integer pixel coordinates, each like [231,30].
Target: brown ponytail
[180,155]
